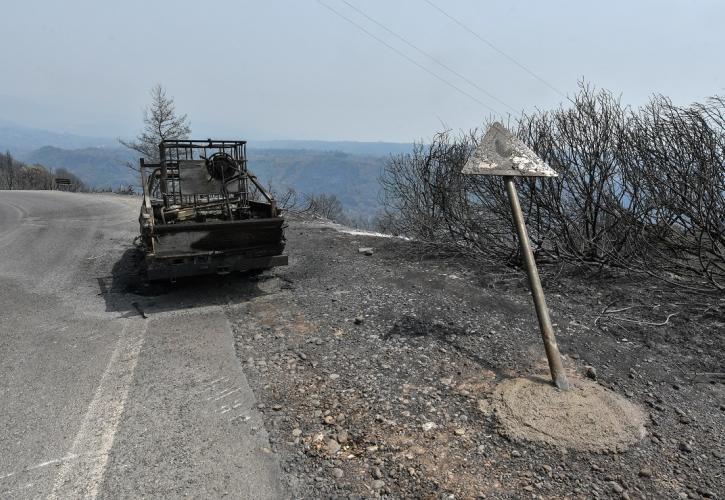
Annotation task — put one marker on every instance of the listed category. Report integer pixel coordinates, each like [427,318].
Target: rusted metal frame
[235,149]
[148,210]
[238,152]
[556,368]
[162,186]
[268,196]
[200,144]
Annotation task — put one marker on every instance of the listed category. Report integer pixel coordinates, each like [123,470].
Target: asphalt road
[95,400]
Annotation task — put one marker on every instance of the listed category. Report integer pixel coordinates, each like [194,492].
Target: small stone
[358,320]
[645,472]
[378,484]
[460,432]
[616,487]
[417,450]
[296,432]
[332,447]
[365,251]
[277,407]
[334,376]
[529,488]
[329,420]
[342,437]
[706,493]
[591,372]
[377,473]
[338,473]
[429,426]
[684,446]
[516,454]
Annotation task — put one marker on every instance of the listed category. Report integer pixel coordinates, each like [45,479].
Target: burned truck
[204,212]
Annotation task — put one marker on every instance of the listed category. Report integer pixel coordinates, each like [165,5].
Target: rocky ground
[374,371]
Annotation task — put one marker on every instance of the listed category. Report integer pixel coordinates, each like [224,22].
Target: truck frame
[204,212]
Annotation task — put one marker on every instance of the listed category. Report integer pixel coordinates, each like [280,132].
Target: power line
[491,45]
[421,51]
[409,59]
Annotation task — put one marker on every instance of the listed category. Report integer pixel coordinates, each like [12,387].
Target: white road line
[81,478]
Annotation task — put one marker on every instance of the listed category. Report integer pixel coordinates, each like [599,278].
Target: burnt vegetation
[640,190]
[15,174]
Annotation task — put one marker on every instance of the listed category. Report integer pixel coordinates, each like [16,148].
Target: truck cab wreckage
[204,212]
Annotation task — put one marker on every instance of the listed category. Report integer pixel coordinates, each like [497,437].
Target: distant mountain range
[347,169]
[96,166]
[352,178]
[19,140]
[22,140]
[350,147]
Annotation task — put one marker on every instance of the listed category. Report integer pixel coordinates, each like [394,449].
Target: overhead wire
[495,48]
[424,53]
[408,58]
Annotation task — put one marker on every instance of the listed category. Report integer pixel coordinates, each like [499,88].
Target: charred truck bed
[204,212]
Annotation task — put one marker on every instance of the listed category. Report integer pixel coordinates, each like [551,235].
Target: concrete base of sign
[587,417]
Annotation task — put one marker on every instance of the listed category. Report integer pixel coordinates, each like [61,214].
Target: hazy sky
[293,69]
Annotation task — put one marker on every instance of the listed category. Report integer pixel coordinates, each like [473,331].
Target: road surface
[97,401]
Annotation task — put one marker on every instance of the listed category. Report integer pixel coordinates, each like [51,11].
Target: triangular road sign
[501,153]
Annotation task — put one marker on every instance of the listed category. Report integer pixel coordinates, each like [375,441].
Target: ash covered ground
[375,375]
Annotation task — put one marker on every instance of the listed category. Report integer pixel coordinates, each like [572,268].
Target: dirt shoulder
[375,373]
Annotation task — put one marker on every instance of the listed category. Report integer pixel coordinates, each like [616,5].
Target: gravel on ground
[376,372]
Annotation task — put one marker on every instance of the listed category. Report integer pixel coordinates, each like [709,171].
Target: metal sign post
[500,153]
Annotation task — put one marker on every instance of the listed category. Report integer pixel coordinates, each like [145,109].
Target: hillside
[347,169]
[21,140]
[351,147]
[353,178]
[97,167]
